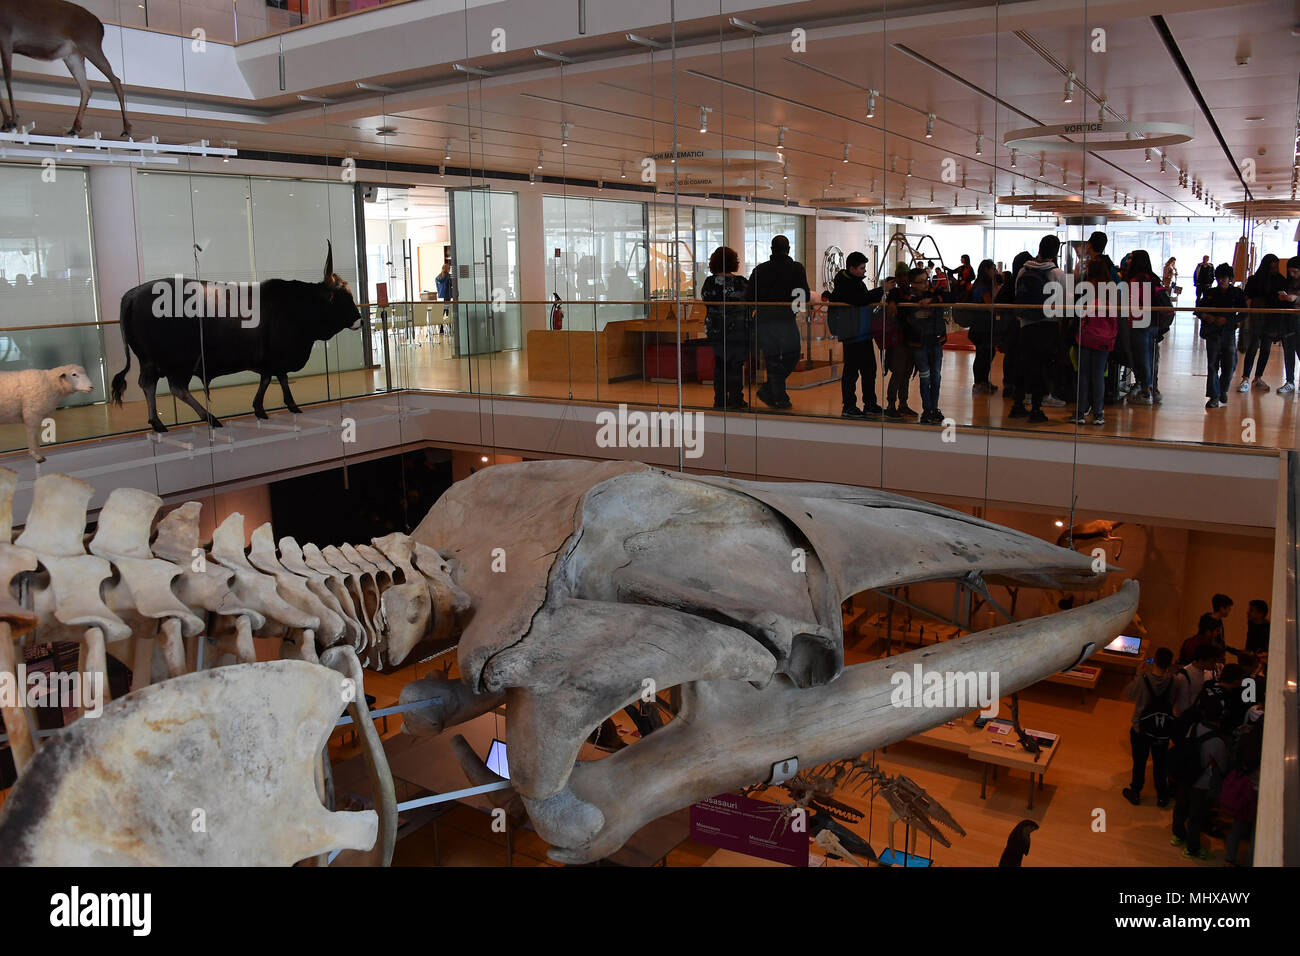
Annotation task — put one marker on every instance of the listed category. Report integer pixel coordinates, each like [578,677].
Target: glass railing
[662,356]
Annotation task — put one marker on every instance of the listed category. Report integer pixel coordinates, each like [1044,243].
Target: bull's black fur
[291,317]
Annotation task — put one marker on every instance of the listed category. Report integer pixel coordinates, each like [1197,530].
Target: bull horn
[329,260]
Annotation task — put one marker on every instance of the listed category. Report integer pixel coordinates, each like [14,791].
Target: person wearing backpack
[1191,678]
[1036,282]
[850,321]
[1199,763]
[1152,693]
[1239,795]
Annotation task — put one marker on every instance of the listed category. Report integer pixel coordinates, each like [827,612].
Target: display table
[1083,677]
[990,750]
[1122,662]
[429,763]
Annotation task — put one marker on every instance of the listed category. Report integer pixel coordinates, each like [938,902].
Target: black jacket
[851,320]
[777,281]
[1221,297]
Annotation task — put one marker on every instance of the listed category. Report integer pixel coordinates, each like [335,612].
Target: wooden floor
[1255,419]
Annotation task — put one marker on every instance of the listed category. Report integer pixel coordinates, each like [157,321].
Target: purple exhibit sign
[733,822]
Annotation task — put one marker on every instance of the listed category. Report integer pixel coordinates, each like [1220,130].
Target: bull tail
[119,380]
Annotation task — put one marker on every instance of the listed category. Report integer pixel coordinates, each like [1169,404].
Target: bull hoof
[39,458]
[75,131]
[157,425]
[261,413]
[8,127]
[294,408]
[214,421]
[126,133]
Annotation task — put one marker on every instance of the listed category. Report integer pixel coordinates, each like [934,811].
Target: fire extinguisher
[557,313]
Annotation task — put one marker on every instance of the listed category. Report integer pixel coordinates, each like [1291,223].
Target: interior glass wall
[485,257]
[248,228]
[603,257]
[761,226]
[47,274]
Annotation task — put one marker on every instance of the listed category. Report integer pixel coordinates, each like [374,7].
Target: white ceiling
[977,67]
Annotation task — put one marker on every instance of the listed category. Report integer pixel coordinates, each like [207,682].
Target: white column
[114,237]
[534,258]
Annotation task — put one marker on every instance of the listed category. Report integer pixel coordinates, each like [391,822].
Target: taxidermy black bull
[180,328]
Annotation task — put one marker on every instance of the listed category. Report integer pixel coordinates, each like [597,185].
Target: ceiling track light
[1042,165]
[929,126]
[539,159]
[931,194]
[846,153]
[963,177]
[600,184]
[704,118]
[1013,159]
[1064,172]
[446,151]
[893,164]
[871,104]
[564,133]
[1162,162]
[909,167]
[979,144]
[1147,155]
[1069,89]
[622,170]
[532,177]
[780,137]
[645,42]
[832,177]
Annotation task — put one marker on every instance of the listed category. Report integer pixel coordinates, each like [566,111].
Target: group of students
[1102,347]
[1200,722]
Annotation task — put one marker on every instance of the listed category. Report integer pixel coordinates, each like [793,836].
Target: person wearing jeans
[1289,323]
[1098,328]
[1219,330]
[924,333]
[1264,290]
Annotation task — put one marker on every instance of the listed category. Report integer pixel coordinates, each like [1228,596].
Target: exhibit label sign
[754,827]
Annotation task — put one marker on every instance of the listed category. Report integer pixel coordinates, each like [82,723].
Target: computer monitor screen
[496,759]
[1126,644]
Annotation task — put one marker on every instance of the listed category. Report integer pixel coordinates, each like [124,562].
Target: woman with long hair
[1142,282]
[1263,291]
[726,326]
[987,282]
